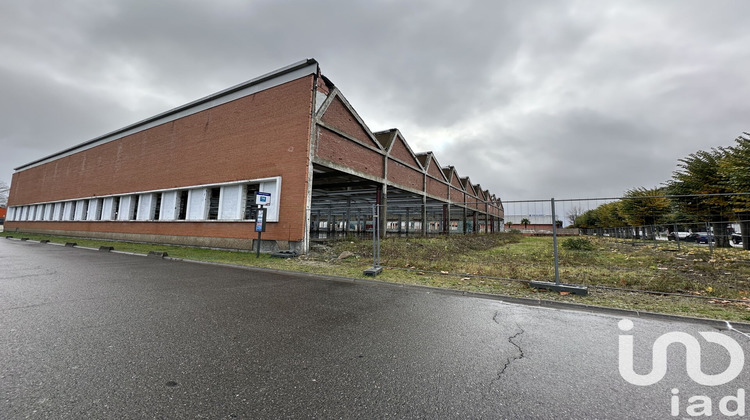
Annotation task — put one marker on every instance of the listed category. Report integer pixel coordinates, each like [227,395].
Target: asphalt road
[88,334]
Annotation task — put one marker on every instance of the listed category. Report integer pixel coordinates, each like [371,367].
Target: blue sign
[262,198]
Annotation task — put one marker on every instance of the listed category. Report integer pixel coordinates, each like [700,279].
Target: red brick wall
[404,175]
[456,183]
[434,170]
[182,228]
[457,196]
[437,188]
[339,117]
[399,151]
[258,136]
[340,150]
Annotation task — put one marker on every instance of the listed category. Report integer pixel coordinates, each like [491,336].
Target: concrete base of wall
[249,244]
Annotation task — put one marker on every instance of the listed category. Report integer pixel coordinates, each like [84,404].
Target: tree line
[708,186]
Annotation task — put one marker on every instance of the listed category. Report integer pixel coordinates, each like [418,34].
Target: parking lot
[88,334]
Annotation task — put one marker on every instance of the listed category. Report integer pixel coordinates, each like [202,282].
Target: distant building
[537,222]
[190,175]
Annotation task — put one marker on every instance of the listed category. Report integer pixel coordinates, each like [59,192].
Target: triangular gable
[337,113]
[433,168]
[454,178]
[423,159]
[480,192]
[468,186]
[400,149]
[447,172]
[385,138]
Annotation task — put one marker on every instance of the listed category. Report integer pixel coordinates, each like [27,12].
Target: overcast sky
[532,100]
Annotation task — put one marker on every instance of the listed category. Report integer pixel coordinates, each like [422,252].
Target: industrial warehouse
[189,176]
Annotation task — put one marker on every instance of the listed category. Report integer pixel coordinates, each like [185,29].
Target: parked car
[702,238]
[681,235]
[736,238]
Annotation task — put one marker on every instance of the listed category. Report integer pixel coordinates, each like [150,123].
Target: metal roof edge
[260,79]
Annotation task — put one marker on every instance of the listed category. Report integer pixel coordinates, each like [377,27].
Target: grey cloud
[562,98]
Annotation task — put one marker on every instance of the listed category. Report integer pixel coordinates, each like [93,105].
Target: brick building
[189,175]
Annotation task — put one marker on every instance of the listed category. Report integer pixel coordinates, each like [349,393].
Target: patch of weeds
[578,244]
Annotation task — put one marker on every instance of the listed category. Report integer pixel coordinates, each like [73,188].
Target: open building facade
[189,176]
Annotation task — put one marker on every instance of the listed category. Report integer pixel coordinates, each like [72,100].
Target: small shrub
[578,244]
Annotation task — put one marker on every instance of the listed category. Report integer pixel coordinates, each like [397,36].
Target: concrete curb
[550,304]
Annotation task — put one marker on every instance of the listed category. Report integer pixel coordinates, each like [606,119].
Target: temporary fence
[550,217]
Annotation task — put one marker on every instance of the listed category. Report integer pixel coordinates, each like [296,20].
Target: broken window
[251,209]
[213,203]
[182,199]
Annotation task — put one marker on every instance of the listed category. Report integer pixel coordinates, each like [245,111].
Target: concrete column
[424,215]
[474,226]
[465,224]
[348,216]
[446,218]
[408,221]
[330,225]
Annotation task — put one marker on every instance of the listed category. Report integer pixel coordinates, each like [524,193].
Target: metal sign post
[260,226]
[262,199]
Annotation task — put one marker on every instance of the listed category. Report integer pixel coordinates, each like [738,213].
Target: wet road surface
[88,334]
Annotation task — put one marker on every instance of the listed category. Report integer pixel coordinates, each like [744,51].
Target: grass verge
[716,284]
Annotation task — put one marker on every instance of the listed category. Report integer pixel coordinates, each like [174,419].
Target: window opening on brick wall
[213,203]
[134,208]
[84,209]
[157,209]
[239,202]
[98,212]
[182,199]
[116,206]
[251,209]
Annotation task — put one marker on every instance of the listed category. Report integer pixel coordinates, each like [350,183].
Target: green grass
[503,264]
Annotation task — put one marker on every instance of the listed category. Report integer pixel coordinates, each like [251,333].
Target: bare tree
[573,214]
[4,189]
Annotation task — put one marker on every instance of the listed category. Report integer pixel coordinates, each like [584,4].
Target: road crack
[518,355]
